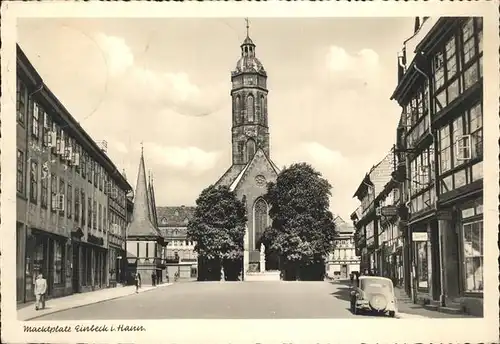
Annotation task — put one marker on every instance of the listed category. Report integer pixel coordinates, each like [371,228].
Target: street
[216,300]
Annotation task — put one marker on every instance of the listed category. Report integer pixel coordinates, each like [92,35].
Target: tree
[303,229]
[218,228]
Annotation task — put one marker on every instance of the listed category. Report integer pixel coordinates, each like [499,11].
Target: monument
[262,263]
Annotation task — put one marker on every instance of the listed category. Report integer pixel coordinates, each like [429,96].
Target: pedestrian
[40,290]
[351,277]
[167,277]
[137,282]
[153,278]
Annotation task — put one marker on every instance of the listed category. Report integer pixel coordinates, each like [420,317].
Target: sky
[166,83]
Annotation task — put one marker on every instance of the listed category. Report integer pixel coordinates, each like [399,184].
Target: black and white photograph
[335,170]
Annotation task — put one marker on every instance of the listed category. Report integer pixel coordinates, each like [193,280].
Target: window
[241,149]
[53,190]
[83,158]
[475,127]
[262,109]
[47,125]
[58,262]
[237,109]
[20,172]
[35,122]
[77,204]
[45,191]
[446,81]
[69,202]
[34,181]
[84,213]
[99,223]
[62,190]
[421,170]
[89,212]
[104,219]
[22,95]
[250,108]
[422,262]
[250,149]
[473,254]
[260,220]
[94,215]
[472,50]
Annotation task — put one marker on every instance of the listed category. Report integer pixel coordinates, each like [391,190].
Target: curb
[90,303]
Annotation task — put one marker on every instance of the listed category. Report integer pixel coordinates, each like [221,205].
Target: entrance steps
[267,276]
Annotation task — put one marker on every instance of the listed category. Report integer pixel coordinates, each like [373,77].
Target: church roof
[174,216]
[141,225]
[230,175]
[240,175]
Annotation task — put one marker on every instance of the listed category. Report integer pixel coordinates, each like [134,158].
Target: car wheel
[392,314]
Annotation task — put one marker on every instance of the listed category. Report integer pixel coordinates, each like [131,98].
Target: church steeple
[141,225]
[249,94]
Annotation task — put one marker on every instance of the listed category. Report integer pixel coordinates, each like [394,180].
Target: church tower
[250,130]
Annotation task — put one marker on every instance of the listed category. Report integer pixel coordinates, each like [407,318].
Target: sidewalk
[408,309]
[27,311]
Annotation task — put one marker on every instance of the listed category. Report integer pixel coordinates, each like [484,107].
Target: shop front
[50,255]
[463,239]
[93,264]
[421,263]
[115,260]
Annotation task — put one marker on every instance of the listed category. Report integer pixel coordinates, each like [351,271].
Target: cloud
[119,57]
[321,154]
[189,159]
[150,88]
[365,61]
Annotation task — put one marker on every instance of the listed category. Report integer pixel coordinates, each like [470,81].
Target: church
[252,167]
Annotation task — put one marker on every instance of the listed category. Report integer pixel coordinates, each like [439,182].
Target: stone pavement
[27,311]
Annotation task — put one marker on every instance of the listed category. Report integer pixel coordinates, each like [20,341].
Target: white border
[260,331]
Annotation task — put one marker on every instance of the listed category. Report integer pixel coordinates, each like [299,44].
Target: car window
[375,284]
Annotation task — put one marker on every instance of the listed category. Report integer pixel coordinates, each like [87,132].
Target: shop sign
[419,236]
[389,211]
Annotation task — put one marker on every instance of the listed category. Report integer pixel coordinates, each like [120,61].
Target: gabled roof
[141,225]
[174,216]
[230,175]
[258,153]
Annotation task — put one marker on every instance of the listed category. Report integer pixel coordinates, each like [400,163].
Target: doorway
[76,270]
[343,270]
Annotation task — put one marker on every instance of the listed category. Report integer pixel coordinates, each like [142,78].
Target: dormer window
[163,221]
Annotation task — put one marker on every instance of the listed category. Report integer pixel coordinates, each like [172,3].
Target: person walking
[137,282]
[153,278]
[40,290]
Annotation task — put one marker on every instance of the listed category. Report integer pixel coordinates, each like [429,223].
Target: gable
[259,171]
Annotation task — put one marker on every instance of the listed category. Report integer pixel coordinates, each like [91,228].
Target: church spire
[248,27]
[141,225]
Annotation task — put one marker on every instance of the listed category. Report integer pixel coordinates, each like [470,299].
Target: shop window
[20,172]
[473,254]
[38,257]
[58,262]
[422,262]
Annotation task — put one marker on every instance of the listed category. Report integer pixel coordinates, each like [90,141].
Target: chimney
[417,24]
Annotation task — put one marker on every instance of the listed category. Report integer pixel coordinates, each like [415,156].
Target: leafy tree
[218,228]
[303,229]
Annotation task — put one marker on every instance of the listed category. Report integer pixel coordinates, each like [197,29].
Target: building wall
[67,240]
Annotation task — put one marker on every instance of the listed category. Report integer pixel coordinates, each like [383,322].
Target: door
[344,271]
[76,268]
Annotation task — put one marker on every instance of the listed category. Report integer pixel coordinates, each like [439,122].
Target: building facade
[439,149]
[252,167]
[65,187]
[181,257]
[343,260]
[366,217]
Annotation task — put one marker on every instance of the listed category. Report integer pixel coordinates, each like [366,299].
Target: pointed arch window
[250,108]
[262,108]
[260,216]
[250,149]
[237,109]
